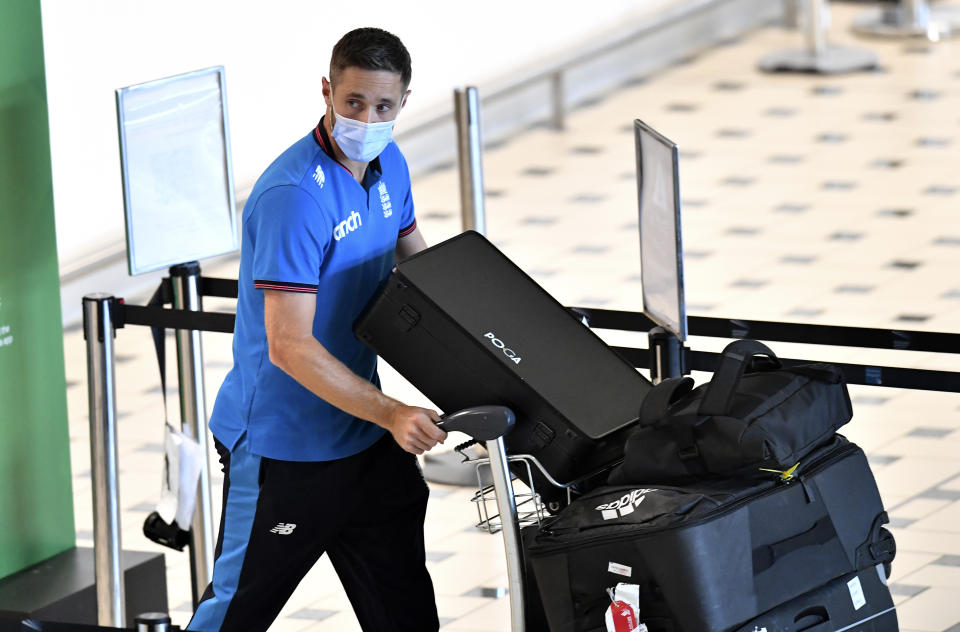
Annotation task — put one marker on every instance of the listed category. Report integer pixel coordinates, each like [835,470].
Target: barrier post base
[62,588]
[932,23]
[830,61]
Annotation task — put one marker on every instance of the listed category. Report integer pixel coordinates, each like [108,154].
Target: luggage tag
[621,615]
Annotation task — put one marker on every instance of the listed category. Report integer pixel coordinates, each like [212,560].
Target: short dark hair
[370,48]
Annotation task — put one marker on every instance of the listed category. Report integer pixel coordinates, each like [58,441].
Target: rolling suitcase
[467,327]
[857,602]
[710,557]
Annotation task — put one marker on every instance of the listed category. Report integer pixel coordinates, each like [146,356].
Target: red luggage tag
[624,618]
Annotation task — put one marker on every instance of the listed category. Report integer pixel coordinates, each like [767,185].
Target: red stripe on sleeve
[409,229]
[286,288]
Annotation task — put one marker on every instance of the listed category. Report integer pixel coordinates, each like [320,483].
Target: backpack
[754,415]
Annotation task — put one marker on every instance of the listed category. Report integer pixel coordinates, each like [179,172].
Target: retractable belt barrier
[826,335]
[103,314]
[155,315]
[158,317]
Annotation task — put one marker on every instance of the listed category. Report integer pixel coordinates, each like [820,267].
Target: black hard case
[468,327]
[857,602]
[710,557]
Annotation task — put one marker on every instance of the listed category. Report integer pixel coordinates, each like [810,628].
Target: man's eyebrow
[362,97]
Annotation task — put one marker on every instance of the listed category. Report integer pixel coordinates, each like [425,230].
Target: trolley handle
[481,423]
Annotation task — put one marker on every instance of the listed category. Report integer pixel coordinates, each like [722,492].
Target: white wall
[274,54]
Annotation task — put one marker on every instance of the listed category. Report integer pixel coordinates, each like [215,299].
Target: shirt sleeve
[290,236]
[408,221]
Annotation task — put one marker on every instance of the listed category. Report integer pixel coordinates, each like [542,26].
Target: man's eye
[383,107]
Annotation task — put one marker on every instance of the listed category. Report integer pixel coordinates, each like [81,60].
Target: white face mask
[361,141]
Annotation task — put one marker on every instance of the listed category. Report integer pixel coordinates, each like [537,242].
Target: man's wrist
[390,409]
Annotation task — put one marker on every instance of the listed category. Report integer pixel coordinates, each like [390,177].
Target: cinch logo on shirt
[318,176]
[385,199]
[347,226]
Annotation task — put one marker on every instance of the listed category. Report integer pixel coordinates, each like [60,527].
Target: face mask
[361,141]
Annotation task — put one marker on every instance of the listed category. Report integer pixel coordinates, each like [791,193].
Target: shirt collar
[374,170]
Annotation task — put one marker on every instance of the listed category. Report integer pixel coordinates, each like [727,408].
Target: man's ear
[403,102]
[326,91]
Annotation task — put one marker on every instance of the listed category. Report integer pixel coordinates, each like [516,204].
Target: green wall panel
[36,500]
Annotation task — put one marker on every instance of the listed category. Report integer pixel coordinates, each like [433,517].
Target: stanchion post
[910,18]
[98,331]
[558,100]
[918,10]
[817,55]
[791,14]
[470,155]
[185,281]
[666,355]
[510,529]
[817,23]
[466,106]
[153,622]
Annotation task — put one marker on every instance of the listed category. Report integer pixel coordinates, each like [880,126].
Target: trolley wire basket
[530,508]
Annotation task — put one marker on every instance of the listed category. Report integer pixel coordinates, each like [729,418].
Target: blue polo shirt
[309,226]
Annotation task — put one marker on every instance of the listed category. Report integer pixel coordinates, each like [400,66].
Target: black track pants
[365,511]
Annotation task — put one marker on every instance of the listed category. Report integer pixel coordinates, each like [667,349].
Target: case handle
[812,619]
[734,360]
[765,556]
[659,399]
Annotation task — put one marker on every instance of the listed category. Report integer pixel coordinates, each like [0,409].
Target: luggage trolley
[488,425]
[514,511]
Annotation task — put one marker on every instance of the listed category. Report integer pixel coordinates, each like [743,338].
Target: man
[315,457]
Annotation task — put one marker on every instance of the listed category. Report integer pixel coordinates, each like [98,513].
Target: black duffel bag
[754,415]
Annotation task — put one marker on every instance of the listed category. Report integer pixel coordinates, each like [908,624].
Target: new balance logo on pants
[284,528]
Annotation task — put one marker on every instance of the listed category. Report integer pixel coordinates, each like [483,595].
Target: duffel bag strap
[656,403]
[820,372]
[734,360]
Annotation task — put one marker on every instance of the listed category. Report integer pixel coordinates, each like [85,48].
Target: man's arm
[409,245]
[289,322]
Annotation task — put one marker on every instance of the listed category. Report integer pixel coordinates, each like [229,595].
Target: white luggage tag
[623,613]
[181,473]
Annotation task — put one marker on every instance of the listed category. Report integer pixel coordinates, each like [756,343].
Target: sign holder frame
[130,204]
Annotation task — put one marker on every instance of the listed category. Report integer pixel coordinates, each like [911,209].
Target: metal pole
[818,20]
[817,56]
[153,622]
[910,18]
[99,333]
[666,355]
[918,11]
[469,151]
[791,14]
[185,279]
[507,505]
[559,101]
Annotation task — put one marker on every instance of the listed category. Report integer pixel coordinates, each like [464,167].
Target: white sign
[661,251]
[177,176]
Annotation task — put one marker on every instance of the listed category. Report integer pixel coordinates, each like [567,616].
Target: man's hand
[415,429]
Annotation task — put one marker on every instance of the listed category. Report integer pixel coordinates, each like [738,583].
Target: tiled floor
[806,198]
